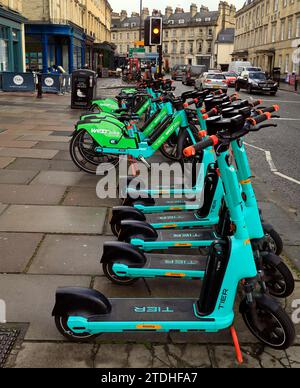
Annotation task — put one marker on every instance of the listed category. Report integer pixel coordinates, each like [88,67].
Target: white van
[238,67]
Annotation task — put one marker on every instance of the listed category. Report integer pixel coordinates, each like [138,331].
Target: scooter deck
[176,262]
[183,236]
[149,310]
[172,217]
[174,202]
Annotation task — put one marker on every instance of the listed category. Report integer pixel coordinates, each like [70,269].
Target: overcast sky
[134,5]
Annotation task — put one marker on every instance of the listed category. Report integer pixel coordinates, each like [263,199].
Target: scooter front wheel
[120,281]
[278,278]
[62,326]
[273,241]
[269,323]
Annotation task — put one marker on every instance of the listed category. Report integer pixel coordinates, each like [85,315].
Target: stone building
[69,33]
[188,38]
[268,34]
[12,42]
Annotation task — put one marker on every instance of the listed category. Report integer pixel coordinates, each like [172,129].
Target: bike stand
[237,347]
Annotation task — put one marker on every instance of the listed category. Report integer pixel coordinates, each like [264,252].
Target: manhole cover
[8,338]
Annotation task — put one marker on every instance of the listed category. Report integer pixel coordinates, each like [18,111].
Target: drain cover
[8,338]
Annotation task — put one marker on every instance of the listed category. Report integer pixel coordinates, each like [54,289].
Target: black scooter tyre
[278,331]
[275,241]
[115,279]
[280,281]
[62,327]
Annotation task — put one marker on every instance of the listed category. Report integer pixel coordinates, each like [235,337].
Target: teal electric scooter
[83,314]
[126,271]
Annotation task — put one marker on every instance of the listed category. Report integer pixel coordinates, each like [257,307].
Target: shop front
[50,45]
[11,41]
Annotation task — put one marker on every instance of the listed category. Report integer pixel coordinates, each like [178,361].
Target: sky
[134,5]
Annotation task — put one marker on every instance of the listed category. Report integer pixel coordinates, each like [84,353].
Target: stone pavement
[52,229]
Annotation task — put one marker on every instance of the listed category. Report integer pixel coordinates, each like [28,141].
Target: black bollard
[39,86]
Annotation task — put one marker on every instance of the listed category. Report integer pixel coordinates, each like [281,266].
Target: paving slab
[16,250]
[224,357]
[112,356]
[63,155]
[293,254]
[42,164]
[16,177]
[18,144]
[28,153]
[41,137]
[53,219]
[82,196]
[62,133]
[54,145]
[6,161]
[178,288]
[65,179]
[31,298]
[106,287]
[293,355]
[69,255]
[2,208]
[54,356]
[31,195]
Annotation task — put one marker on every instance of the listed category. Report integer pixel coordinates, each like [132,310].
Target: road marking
[272,164]
[285,119]
[282,101]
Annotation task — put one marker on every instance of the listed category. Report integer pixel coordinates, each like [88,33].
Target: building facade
[12,41]
[65,33]
[268,34]
[188,38]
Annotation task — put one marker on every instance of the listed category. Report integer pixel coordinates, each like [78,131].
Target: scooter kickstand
[237,347]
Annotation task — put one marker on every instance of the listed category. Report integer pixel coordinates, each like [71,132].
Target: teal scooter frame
[82,314]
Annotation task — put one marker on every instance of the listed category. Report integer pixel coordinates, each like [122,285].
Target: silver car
[212,82]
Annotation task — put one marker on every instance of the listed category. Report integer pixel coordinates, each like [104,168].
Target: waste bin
[83,88]
[276,74]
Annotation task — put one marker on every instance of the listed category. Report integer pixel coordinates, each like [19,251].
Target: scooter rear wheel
[120,281]
[62,326]
[271,325]
[82,151]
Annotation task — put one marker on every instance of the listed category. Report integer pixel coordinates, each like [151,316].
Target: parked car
[177,72]
[256,81]
[231,78]
[238,66]
[214,71]
[191,73]
[212,81]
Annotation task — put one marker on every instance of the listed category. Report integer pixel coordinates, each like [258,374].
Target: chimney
[156,12]
[204,9]
[123,15]
[135,14]
[179,10]
[145,13]
[193,9]
[169,11]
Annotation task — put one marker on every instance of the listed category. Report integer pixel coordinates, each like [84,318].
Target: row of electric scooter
[241,249]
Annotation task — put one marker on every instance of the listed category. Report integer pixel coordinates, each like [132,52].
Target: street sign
[137,52]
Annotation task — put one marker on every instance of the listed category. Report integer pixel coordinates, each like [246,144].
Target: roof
[226,36]
[201,18]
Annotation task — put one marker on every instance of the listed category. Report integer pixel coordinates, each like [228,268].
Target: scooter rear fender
[80,302]
[124,251]
[122,213]
[137,229]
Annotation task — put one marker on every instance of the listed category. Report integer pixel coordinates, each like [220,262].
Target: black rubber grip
[272,109]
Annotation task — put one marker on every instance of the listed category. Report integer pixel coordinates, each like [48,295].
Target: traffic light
[153,31]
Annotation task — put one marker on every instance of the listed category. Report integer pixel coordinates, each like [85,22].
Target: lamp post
[141,18]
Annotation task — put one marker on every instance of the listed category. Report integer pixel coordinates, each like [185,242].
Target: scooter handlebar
[259,119]
[255,103]
[213,112]
[193,150]
[272,109]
